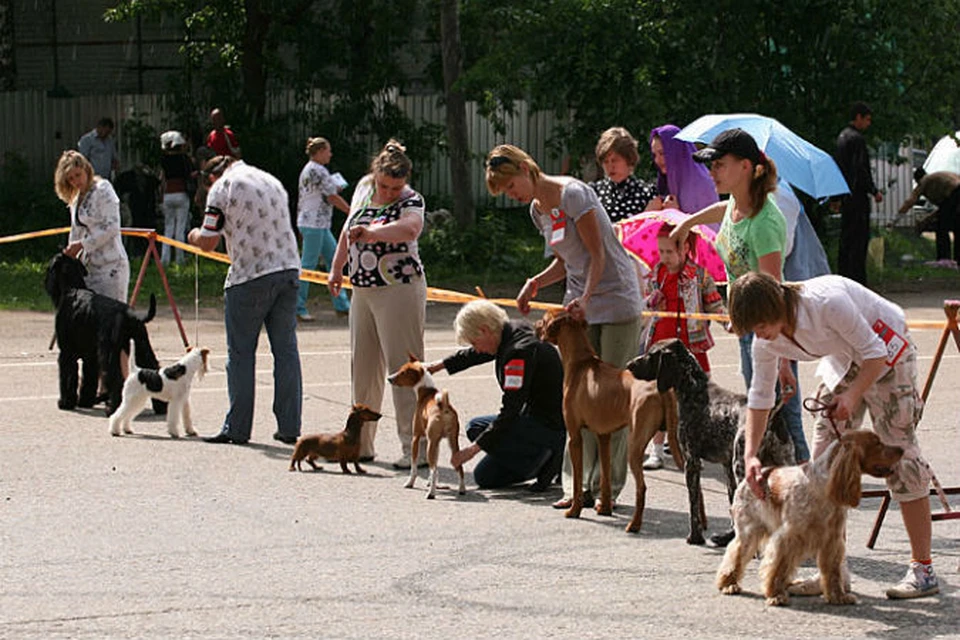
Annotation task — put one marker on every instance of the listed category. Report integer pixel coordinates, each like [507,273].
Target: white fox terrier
[170,384]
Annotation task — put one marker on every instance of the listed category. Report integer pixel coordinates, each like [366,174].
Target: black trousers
[854,237]
[532,445]
[948,219]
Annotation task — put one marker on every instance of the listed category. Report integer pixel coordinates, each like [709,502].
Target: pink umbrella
[639,235]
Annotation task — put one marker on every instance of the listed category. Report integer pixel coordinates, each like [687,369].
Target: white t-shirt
[315,185]
[249,207]
[838,323]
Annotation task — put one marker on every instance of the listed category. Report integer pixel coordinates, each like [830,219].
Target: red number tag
[513,375]
[896,344]
[558,226]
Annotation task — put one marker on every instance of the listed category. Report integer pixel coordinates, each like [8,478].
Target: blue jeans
[792,412]
[268,301]
[531,445]
[316,242]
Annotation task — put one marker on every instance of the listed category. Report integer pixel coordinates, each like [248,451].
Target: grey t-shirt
[617,295]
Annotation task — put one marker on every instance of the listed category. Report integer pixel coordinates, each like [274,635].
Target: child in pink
[677,284]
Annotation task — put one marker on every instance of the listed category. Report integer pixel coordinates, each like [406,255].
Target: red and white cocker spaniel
[802,516]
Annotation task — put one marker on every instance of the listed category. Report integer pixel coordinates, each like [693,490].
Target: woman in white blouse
[867,361]
[94,225]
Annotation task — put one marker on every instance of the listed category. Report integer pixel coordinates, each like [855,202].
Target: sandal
[566,503]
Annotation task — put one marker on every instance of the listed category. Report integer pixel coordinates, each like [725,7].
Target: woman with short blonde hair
[601,281]
[477,315]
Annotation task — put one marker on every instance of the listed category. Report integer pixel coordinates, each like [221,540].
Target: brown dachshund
[803,515]
[434,419]
[342,447]
[602,398]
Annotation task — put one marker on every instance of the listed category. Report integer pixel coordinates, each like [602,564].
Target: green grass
[21,283]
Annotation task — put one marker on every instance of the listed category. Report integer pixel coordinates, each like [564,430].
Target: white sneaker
[920,581]
[305,317]
[652,462]
[403,462]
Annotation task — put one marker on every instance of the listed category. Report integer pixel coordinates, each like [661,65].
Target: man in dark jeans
[525,439]
[854,162]
[941,188]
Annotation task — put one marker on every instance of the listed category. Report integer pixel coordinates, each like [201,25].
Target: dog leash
[196,298]
[816,405]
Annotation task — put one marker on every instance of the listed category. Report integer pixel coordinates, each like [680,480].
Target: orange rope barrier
[434,294]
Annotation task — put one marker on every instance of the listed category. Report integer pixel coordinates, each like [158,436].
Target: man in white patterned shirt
[249,208]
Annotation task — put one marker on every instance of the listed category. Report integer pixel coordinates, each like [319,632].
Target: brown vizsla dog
[602,398]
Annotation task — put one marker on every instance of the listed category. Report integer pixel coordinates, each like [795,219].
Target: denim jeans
[317,242]
[792,412]
[176,216]
[268,301]
[531,445]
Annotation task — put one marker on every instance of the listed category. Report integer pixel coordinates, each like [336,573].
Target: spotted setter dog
[711,418]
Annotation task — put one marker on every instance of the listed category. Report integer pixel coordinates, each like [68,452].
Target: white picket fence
[39,128]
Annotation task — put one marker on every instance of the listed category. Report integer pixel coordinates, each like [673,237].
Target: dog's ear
[411,357]
[668,373]
[843,486]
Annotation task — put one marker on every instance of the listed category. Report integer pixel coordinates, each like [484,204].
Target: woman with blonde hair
[94,225]
[378,243]
[601,281]
[317,192]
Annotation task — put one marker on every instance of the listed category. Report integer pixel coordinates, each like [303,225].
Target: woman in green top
[752,237]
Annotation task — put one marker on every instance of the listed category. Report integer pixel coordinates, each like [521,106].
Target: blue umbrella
[803,165]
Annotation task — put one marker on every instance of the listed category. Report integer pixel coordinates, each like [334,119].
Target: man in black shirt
[854,162]
[525,439]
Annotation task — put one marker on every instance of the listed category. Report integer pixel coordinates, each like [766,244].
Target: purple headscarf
[688,180]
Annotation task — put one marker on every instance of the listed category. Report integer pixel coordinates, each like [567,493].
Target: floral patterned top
[383,263]
[95,223]
[313,210]
[249,207]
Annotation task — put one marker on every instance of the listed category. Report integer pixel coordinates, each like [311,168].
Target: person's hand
[655,204]
[434,367]
[878,197]
[788,382]
[461,457]
[73,249]
[843,406]
[670,202]
[680,233]
[527,293]
[364,234]
[577,308]
[335,282]
[754,477]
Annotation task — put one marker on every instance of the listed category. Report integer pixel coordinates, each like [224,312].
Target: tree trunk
[8,67]
[459,145]
[252,60]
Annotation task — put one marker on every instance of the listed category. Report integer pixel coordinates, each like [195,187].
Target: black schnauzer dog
[94,328]
[710,427]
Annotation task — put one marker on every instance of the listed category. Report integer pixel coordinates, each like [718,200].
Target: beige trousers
[385,324]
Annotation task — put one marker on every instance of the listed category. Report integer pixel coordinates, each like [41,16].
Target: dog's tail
[671,420]
[151,310]
[443,401]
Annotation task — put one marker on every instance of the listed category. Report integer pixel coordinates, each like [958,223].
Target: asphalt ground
[148,537]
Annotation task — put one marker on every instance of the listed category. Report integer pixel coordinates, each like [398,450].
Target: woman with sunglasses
[601,282]
[378,244]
